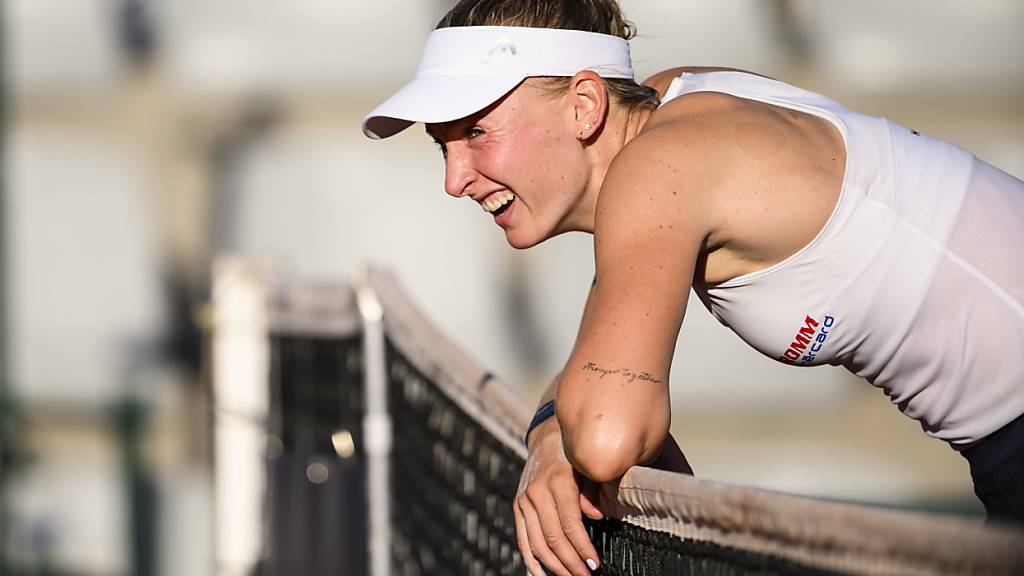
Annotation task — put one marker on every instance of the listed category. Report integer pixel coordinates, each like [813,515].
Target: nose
[459,174]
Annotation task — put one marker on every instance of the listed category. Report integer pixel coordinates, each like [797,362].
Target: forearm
[649,451]
[611,424]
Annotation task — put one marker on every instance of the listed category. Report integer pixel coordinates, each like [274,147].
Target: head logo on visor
[502,47]
[465,69]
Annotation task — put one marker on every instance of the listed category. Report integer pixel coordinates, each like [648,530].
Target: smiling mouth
[502,209]
[498,203]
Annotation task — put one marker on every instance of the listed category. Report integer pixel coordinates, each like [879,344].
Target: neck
[619,130]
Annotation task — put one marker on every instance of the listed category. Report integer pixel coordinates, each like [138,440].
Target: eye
[474,131]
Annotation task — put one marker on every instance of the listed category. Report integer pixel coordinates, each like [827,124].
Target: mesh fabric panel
[991,220]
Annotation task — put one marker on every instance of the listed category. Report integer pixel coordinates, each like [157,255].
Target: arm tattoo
[626,373]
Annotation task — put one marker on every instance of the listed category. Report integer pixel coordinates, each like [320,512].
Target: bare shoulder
[661,186]
[738,160]
[678,153]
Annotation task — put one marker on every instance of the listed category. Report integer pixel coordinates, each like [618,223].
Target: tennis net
[457,454]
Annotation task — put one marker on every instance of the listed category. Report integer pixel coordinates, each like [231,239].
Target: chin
[520,244]
[520,241]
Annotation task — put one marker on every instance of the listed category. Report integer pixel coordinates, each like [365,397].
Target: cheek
[545,152]
[520,159]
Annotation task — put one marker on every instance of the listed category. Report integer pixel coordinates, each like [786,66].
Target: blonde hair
[601,16]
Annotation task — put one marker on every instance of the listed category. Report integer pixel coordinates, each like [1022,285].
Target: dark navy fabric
[997,467]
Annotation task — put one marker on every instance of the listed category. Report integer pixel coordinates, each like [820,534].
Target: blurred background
[144,138]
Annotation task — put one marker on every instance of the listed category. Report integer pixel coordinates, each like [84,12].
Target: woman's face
[519,159]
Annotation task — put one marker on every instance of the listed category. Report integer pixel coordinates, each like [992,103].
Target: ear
[589,98]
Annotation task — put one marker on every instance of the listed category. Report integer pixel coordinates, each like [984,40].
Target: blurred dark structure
[130,420]
[793,36]
[135,30]
[4,432]
[316,486]
[7,427]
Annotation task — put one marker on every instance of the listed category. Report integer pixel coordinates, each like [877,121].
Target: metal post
[241,366]
[376,428]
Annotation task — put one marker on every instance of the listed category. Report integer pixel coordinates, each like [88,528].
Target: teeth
[497,201]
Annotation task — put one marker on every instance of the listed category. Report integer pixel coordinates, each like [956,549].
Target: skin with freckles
[523,144]
[706,188]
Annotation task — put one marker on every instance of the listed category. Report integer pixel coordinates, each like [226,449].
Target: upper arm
[650,226]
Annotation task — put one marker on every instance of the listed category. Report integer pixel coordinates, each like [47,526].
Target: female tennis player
[818,234]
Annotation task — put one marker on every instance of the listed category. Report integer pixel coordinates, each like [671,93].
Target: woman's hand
[553,497]
[549,508]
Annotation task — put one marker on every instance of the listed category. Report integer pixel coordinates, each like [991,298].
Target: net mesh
[452,483]
[627,549]
[457,457]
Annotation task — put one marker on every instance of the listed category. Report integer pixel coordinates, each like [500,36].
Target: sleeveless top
[915,282]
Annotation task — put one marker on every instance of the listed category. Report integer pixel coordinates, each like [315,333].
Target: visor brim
[436,98]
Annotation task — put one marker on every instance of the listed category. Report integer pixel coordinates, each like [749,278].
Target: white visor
[465,69]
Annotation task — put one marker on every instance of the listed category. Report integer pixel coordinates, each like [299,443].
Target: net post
[241,352]
[376,425]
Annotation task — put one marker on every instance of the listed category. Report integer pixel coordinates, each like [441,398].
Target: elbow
[603,450]
[601,459]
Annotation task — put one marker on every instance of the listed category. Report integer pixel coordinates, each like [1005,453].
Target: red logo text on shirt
[809,339]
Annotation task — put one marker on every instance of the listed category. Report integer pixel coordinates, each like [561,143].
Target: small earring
[583,134]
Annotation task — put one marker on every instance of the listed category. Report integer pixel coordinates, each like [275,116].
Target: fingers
[567,498]
[536,544]
[532,566]
[555,526]
[549,512]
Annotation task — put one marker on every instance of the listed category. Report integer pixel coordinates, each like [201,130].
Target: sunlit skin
[705,189]
[528,143]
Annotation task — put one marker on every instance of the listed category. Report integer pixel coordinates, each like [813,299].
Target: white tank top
[916,281]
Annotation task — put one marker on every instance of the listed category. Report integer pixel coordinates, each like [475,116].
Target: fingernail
[592,564]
